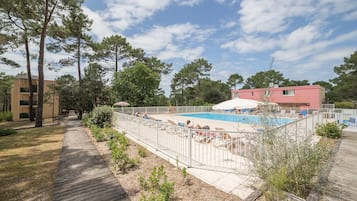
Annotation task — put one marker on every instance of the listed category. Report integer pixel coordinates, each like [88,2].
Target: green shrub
[330,130]
[121,158]
[7,131]
[142,152]
[345,105]
[101,116]
[5,116]
[288,166]
[98,133]
[156,186]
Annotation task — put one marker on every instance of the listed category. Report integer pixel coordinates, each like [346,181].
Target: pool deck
[213,124]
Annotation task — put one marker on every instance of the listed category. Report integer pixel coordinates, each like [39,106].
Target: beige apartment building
[20,98]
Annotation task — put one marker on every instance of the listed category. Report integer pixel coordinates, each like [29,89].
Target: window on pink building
[289,92]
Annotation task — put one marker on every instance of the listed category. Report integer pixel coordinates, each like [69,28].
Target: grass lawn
[28,163]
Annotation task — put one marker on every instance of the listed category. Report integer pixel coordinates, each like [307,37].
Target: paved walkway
[83,173]
[342,180]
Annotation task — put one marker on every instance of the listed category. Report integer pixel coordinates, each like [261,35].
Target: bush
[101,116]
[97,133]
[288,165]
[345,105]
[7,131]
[156,186]
[120,157]
[5,116]
[330,130]
[142,152]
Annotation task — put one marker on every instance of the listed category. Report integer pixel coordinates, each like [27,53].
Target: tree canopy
[346,80]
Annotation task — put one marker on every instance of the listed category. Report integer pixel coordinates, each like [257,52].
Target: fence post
[313,124]
[157,135]
[296,130]
[306,126]
[189,148]
[138,128]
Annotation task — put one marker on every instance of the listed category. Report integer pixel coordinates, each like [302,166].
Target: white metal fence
[163,109]
[208,149]
[347,117]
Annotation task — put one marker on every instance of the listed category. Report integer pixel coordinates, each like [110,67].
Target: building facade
[20,96]
[300,97]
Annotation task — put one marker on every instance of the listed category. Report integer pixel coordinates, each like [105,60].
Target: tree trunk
[79,75]
[29,76]
[40,90]
[116,58]
[79,60]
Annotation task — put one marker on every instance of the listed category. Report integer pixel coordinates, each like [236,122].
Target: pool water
[240,118]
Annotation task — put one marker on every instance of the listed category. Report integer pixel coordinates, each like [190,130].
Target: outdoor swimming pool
[245,119]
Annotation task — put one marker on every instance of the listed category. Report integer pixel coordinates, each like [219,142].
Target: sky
[306,38]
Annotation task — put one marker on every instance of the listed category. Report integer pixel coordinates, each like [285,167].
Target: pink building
[302,97]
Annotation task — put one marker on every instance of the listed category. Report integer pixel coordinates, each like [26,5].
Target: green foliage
[142,152]
[121,158]
[98,133]
[289,166]
[156,186]
[345,83]
[7,131]
[101,116]
[5,116]
[136,84]
[118,145]
[330,130]
[234,79]
[345,105]
[263,79]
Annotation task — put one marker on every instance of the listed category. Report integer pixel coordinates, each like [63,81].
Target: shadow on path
[83,173]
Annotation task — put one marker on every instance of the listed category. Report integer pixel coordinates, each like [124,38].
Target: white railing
[301,129]
[222,150]
[163,109]
[227,151]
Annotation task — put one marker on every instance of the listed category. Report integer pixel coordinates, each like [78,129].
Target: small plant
[121,158]
[142,152]
[177,162]
[7,131]
[184,175]
[97,133]
[330,130]
[156,186]
[5,116]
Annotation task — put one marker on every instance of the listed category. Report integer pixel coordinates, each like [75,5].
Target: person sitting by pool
[145,116]
[137,114]
[190,124]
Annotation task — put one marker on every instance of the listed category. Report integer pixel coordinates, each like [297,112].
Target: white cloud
[334,55]
[230,2]
[125,13]
[306,50]
[249,43]
[174,41]
[188,2]
[229,24]
[351,16]
[301,36]
[271,16]
[100,28]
